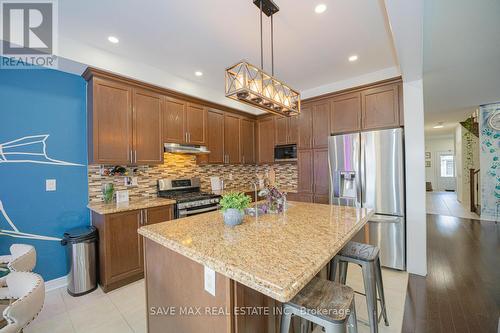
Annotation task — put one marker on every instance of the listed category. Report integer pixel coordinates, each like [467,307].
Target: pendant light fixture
[251,85]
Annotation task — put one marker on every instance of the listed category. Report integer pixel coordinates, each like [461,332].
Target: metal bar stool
[325,303]
[367,256]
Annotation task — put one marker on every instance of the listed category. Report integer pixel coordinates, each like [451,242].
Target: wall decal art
[18,234]
[29,149]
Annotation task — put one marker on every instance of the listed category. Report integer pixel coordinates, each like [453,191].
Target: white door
[445,171]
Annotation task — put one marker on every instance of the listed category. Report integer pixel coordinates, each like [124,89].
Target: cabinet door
[111,122]
[293,129]
[173,121]
[247,141]
[304,140]
[301,197]
[321,172]
[321,123]
[123,245]
[265,140]
[346,113]
[232,138]
[281,133]
[148,139]
[215,136]
[158,214]
[401,108]
[321,199]
[305,171]
[196,124]
[380,107]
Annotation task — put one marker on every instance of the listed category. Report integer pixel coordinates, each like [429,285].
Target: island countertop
[275,254]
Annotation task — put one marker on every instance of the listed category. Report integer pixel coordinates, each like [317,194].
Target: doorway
[445,172]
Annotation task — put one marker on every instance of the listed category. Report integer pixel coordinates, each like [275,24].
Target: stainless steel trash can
[81,248]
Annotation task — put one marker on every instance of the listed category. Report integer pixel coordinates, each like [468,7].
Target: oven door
[184,212]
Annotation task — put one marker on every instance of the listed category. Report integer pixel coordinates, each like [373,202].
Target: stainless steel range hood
[185,149]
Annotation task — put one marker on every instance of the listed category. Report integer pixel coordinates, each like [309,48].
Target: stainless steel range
[190,200]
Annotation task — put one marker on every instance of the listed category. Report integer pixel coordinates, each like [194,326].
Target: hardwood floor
[461,292]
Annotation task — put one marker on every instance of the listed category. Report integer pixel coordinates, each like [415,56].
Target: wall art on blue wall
[42,136]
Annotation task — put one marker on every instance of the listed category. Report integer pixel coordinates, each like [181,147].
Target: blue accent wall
[36,102]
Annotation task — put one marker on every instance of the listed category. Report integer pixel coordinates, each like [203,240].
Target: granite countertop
[275,254]
[134,204]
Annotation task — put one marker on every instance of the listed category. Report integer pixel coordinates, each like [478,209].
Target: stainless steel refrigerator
[367,170]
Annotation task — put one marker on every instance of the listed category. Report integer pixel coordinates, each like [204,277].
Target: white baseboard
[56,283]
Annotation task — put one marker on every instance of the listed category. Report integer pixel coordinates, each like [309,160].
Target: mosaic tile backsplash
[184,166]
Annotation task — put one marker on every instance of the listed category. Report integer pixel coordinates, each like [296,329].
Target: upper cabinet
[265,140]
[124,124]
[247,136]
[174,128]
[196,124]
[345,113]
[320,123]
[286,130]
[304,120]
[215,136]
[184,122]
[231,139]
[147,138]
[109,122]
[380,107]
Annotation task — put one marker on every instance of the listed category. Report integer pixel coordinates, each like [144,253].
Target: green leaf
[235,200]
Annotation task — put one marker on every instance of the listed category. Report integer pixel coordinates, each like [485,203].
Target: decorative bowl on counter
[233,206]
[233,217]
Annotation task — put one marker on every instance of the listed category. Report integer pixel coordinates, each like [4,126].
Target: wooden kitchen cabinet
[174,130]
[305,171]
[380,107]
[215,136]
[231,139]
[109,122]
[247,135]
[120,246]
[286,130]
[196,124]
[184,122]
[320,123]
[321,172]
[345,113]
[304,140]
[147,120]
[265,140]
[301,197]
[321,199]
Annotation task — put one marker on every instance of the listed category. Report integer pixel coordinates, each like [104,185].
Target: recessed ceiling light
[113,39]
[198,73]
[353,58]
[439,125]
[320,8]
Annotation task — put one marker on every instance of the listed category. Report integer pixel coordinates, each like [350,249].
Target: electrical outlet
[210,280]
[50,185]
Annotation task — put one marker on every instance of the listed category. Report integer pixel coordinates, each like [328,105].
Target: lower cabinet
[321,199]
[301,197]
[120,246]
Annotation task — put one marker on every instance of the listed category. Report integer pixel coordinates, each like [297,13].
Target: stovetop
[187,196]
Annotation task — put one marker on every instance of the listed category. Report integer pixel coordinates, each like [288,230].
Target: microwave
[285,153]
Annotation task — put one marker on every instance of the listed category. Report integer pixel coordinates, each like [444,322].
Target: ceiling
[181,37]
[461,59]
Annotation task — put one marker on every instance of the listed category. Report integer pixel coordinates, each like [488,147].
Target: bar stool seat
[360,251]
[325,303]
[367,256]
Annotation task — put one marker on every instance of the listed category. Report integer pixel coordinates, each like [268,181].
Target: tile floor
[446,203]
[124,310]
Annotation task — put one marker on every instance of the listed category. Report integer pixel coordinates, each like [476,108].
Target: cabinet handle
[145,217]
[243,159]
[189,136]
[131,158]
[186,136]
[141,219]
[135,156]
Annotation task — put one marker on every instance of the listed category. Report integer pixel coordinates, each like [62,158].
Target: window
[447,164]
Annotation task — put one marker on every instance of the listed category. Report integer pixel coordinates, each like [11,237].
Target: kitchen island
[258,264]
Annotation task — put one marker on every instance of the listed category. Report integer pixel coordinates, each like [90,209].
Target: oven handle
[185,212]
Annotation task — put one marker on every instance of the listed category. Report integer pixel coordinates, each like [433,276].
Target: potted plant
[233,206]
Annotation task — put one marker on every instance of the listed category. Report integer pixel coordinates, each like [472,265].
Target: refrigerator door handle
[386,219]
[362,182]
